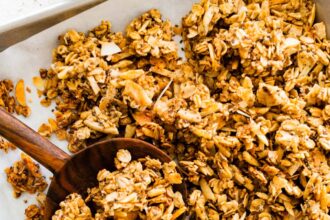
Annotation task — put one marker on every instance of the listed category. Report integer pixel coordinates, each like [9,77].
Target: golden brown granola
[140,189]
[36,212]
[33,212]
[12,103]
[73,207]
[25,176]
[246,116]
[91,71]
[266,64]
[6,145]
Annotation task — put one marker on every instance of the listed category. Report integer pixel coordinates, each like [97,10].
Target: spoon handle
[32,143]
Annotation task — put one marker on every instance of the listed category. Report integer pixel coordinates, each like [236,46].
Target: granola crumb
[34,212]
[28,89]
[6,145]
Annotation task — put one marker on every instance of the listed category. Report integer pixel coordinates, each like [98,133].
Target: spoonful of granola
[123,178]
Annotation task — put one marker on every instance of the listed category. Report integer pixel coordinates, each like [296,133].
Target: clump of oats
[140,189]
[73,207]
[7,101]
[151,36]
[91,71]
[34,212]
[25,176]
[13,103]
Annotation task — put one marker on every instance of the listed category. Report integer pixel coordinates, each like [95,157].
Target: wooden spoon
[78,172]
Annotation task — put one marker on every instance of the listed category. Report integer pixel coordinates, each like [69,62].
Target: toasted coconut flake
[290,42]
[109,48]
[20,93]
[137,93]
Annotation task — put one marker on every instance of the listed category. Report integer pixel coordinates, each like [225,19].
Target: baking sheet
[29,24]
[23,61]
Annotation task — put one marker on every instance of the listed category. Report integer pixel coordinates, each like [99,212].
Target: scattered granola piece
[8,101]
[6,145]
[25,176]
[34,212]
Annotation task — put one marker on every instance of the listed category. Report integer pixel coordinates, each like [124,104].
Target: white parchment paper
[23,61]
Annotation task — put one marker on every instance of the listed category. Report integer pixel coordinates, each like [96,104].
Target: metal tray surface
[26,26]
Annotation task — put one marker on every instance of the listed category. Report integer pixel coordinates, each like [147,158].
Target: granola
[266,63]
[36,211]
[6,145]
[140,189]
[25,176]
[33,212]
[115,71]
[13,103]
[73,207]
[246,116]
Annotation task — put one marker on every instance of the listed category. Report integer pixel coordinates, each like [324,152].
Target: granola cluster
[140,189]
[13,103]
[33,212]
[25,176]
[246,116]
[98,78]
[73,207]
[36,211]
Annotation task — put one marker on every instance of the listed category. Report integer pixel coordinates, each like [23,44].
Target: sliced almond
[93,84]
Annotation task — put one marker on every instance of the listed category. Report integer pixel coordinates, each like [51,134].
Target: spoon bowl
[75,173]
[80,172]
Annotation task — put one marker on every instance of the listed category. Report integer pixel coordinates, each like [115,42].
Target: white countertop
[12,9]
